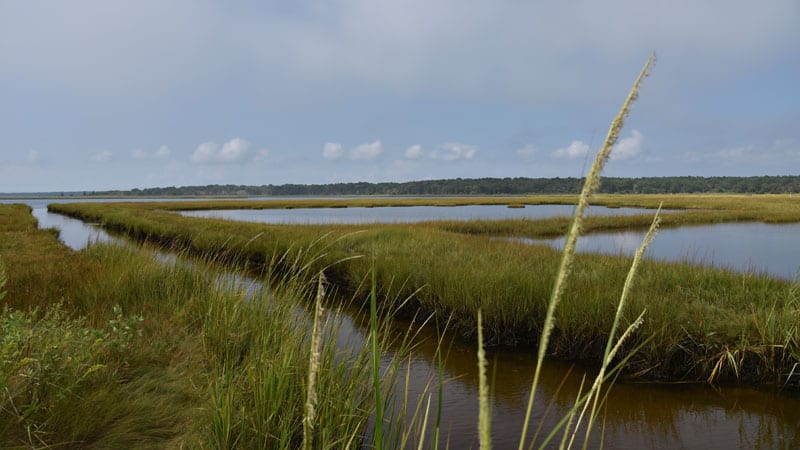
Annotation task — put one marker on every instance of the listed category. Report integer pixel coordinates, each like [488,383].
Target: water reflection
[637,416]
[404,214]
[74,233]
[744,247]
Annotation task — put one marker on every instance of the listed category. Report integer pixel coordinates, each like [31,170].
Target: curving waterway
[638,416]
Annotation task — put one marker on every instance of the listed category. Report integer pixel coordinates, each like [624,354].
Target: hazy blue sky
[104,94]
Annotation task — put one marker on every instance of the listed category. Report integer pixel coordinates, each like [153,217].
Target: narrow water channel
[638,416]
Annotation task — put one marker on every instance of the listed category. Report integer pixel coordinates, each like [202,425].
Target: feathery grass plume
[590,186]
[484,416]
[313,368]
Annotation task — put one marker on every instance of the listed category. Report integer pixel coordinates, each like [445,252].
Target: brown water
[638,416]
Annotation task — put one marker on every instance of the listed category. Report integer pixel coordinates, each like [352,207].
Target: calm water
[404,214]
[639,416]
[75,233]
[744,247]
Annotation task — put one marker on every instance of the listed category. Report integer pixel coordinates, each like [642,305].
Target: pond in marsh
[640,416]
[404,214]
[744,247]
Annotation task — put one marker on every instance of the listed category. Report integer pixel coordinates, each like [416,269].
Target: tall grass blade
[590,186]
[421,444]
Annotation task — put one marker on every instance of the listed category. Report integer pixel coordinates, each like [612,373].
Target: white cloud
[332,150]
[628,147]
[367,151]
[139,154]
[162,152]
[102,157]
[576,149]
[204,153]
[452,151]
[527,152]
[33,156]
[233,151]
[414,152]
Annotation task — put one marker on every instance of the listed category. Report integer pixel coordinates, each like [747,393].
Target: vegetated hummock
[702,324]
[112,347]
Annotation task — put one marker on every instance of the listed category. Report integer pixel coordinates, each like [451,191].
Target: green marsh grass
[700,311]
[143,352]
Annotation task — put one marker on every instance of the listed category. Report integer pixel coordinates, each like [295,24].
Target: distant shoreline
[772,184]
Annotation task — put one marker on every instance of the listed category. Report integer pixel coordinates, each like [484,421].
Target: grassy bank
[682,210]
[702,324]
[762,207]
[112,347]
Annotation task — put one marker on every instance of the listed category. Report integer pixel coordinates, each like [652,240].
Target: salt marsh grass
[147,353]
[700,312]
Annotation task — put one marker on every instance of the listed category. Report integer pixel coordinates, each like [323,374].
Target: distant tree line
[492,186]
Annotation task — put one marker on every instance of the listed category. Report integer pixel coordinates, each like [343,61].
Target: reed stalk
[313,369]
[590,186]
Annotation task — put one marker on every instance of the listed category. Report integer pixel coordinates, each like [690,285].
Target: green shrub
[47,361]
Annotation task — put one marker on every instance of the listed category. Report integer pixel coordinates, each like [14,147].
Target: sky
[108,94]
